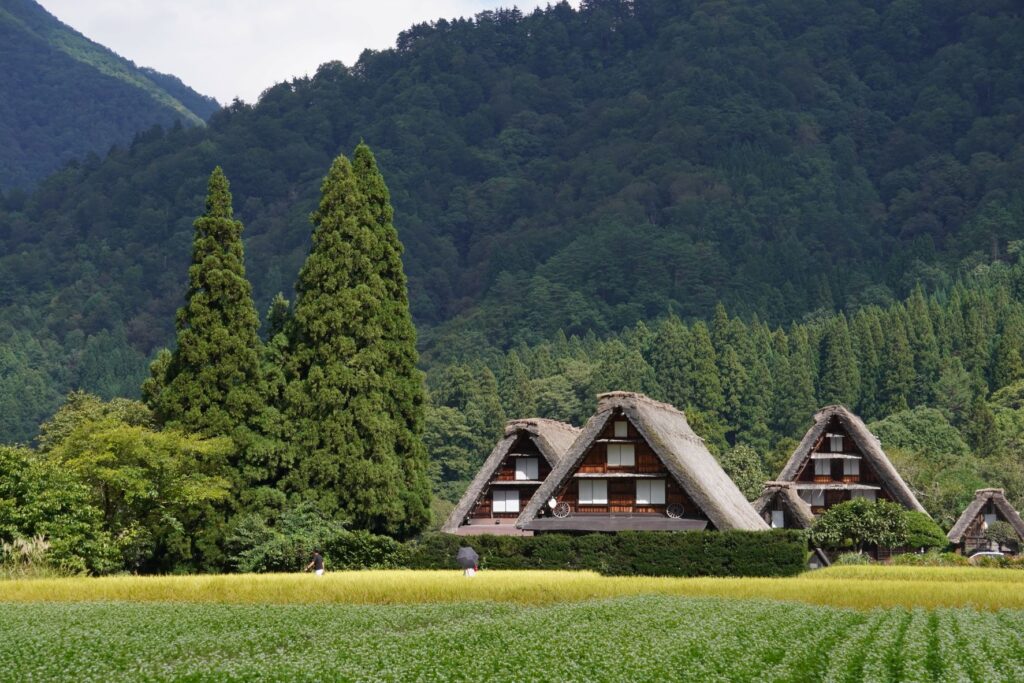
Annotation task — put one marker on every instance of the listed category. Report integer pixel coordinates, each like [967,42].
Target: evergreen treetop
[211,380]
[356,399]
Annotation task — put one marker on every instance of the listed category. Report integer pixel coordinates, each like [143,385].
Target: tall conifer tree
[840,378]
[356,399]
[667,357]
[211,382]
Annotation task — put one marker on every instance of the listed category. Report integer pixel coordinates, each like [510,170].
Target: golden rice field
[855,587]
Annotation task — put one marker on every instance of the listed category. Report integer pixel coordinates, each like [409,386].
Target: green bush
[255,546]
[923,532]
[627,553]
[932,558]
[847,559]
[363,550]
[1004,534]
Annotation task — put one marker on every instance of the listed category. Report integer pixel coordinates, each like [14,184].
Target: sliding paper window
[526,469]
[505,500]
[650,491]
[593,492]
[621,455]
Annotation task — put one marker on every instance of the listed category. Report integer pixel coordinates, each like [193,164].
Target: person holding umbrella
[468,560]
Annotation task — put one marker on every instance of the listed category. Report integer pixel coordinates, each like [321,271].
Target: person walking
[317,563]
[468,560]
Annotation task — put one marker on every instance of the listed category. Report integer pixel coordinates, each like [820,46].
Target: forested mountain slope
[574,170]
[63,96]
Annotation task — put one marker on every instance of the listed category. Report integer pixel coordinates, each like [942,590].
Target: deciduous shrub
[846,559]
[923,532]
[627,553]
[931,558]
[1003,534]
[286,546]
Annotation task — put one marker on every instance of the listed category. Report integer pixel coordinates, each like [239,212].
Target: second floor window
[621,455]
[526,469]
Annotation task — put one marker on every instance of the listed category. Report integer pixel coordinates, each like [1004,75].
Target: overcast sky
[229,48]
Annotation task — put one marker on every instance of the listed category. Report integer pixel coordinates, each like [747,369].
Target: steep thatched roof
[784,491]
[552,439]
[869,447]
[666,431]
[981,498]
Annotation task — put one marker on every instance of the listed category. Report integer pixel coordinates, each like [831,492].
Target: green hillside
[63,96]
[562,170]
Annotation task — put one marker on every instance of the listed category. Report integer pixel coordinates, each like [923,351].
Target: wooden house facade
[510,476]
[637,465]
[989,506]
[838,460]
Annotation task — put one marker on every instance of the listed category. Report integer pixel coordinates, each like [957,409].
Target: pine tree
[980,428]
[840,379]
[667,359]
[515,388]
[703,386]
[734,390]
[211,381]
[867,337]
[356,399]
[897,367]
[1008,364]
[924,347]
[798,402]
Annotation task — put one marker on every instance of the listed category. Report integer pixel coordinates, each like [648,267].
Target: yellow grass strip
[842,588]
[898,573]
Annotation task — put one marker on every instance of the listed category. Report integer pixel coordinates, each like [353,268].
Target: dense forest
[573,170]
[560,176]
[63,96]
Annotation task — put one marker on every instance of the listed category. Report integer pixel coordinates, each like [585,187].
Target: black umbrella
[467,557]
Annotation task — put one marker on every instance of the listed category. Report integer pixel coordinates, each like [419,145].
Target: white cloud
[238,48]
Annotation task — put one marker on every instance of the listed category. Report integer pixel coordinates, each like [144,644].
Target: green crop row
[626,639]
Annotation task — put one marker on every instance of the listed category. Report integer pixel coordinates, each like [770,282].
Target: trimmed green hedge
[627,553]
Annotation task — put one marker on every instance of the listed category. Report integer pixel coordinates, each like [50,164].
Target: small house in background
[989,506]
[781,507]
[839,460]
[638,465]
[510,476]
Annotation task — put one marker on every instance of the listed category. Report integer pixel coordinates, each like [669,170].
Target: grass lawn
[515,626]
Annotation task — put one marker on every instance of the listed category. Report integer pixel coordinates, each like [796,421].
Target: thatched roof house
[839,459]
[637,465]
[988,506]
[781,507]
[510,476]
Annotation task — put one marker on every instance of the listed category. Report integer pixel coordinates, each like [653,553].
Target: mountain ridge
[71,96]
[573,170]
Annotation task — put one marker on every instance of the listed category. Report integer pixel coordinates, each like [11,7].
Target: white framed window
[851,468]
[823,468]
[505,500]
[593,491]
[778,519]
[813,497]
[621,429]
[650,491]
[835,443]
[865,494]
[526,469]
[621,455]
